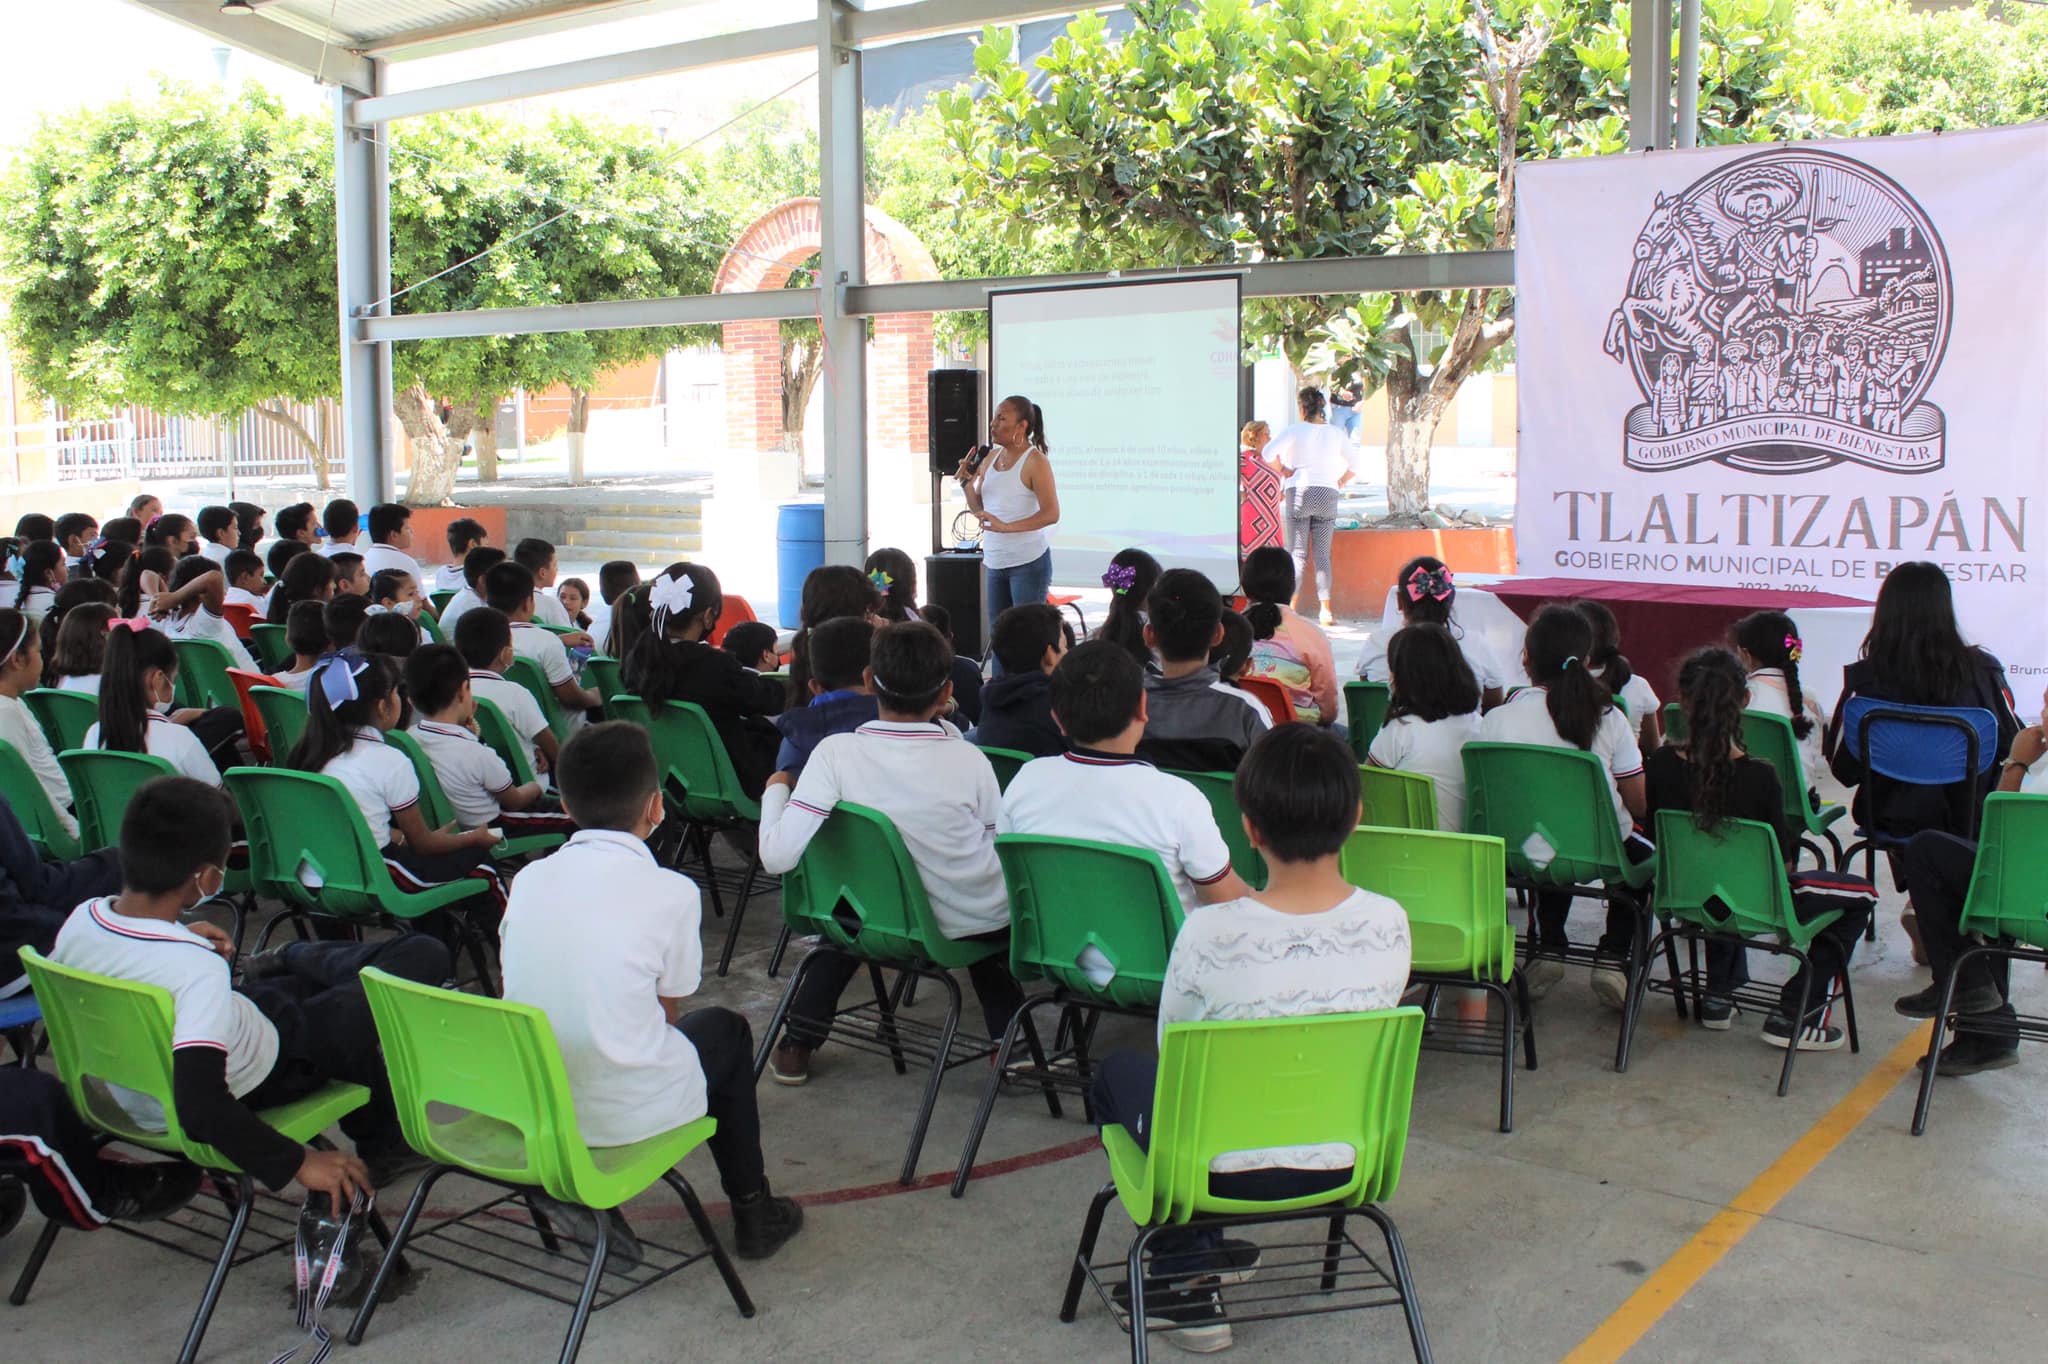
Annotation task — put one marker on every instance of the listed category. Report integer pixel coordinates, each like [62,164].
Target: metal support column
[842,263]
[362,239]
[1649,74]
[1688,73]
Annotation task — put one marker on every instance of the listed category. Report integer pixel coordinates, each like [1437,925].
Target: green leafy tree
[1932,69]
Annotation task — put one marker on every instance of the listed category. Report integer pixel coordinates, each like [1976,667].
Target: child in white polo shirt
[485,641]
[509,588]
[941,794]
[475,779]
[246,584]
[198,592]
[470,595]
[1101,790]
[1432,713]
[613,973]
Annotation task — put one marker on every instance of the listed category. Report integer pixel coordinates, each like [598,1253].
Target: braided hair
[1772,640]
[1714,690]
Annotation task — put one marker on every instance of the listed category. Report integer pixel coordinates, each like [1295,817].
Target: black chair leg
[941,1052]
[1404,1283]
[1528,1020]
[1849,1012]
[775,957]
[1632,1007]
[1333,1252]
[1134,1268]
[33,1266]
[1052,1094]
[1932,1062]
[245,1199]
[579,1319]
[1798,1019]
[989,1089]
[739,914]
[413,1208]
[1091,1227]
[774,1029]
[886,1003]
[726,1271]
[1508,1023]
[542,1227]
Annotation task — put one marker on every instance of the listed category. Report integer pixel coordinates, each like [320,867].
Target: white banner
[1793,367]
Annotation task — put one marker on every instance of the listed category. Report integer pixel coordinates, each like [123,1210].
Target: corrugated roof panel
[382,23]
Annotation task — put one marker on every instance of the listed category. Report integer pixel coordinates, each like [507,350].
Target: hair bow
[152,520]
[16,565]
[1120,578]
[377,609]
[338,679]
[882,580]
[670,594]
[132,624]
[1434,583]
[1793,648]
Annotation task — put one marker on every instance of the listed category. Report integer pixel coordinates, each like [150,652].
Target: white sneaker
[1543,974]
[1610,985]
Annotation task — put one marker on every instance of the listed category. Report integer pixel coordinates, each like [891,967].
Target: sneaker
[1980,999]
[1971,1055]
[790,1064]
[266,964]
[1717,1013]
[145,1193]
[1812,1037]
[1543,974]
[1192,1318]
[762,1222]
[1231,1262]
[574,1222]
[1610,984]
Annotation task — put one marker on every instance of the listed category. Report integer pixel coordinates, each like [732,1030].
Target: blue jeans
[1024,585]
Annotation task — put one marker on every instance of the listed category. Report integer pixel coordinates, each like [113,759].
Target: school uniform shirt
[1768,693]
[1372,660]
[327,549]
[1435,749]
[1115,798]
[471,773]
[548,610]
[1244,960]
[238,596]
[295,681]
[381,779]
[521,710]
[206,1011]
[18,727]
[87,683]
[600,626]
[937,788]
[378,558]
[216,551]
[202,623]
[448,578]
[545,648]
[463,599]
[1198,723]
[1524,718]
[600,972]
[164,737]
[1640,699]
[39,602]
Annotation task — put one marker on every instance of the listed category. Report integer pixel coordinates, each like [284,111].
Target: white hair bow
[671,594]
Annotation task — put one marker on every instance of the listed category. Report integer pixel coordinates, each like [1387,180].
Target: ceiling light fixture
[237,7]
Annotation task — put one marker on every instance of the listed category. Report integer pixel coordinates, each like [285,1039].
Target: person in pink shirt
[1287,648]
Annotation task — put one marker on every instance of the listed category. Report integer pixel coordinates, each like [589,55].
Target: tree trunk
[802,363]
[436,453]
[316,457]
[579,428]
[1414,408]
[483,439]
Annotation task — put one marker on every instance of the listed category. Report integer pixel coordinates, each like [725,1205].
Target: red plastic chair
[1272,696]
[737,609]
[241,617]
[252,719]
[1072,602]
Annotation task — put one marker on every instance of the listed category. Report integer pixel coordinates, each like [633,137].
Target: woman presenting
[1012,493]
[1319,460]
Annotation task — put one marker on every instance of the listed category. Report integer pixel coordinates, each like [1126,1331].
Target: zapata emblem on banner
[1785,313]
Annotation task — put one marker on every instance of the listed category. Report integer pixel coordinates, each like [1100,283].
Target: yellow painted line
[1677,1275]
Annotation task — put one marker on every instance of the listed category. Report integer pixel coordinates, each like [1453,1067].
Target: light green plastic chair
[699,773]
[63,716]
[115,1032]
[24,794]
[1245,860]
[1730,884]
[2007,904]
[439,811]
[527,674]
[1365,712]
[1006,762]
[284,719]
[1095,920]
[1251,1084]
[273,651]
[102,783]
[1391,799]
[860,893]
[203,671]
[1453,887]
[480,1088]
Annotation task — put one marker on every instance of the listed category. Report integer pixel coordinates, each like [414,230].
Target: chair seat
[18,1011]
[1450,950]
[1825,816]
[497,1150]
[1129,1168]
[301,1120]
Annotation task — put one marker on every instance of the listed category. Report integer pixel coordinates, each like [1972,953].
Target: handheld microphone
[976,455]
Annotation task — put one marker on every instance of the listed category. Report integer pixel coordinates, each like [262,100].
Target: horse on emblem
[1675,289]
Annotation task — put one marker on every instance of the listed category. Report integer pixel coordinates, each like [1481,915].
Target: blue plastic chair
[1902,745]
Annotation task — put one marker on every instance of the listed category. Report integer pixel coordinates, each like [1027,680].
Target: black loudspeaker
[952,416]
[953,580]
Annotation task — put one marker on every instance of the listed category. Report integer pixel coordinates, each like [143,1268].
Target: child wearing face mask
[395,593]
[137,683]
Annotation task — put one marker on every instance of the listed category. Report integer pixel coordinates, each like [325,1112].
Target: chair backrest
[496,731]
[102,784]
[284,718]
[1365,711]
[24,794]
[1453,887]
[203,667]
[63,716]
[485,1059]
[736,611]
[308,844]
[440,598]
[435,807]
[860,892]
[1006,762]
[688,750]
[1920,745]
[241,617]
[2008,888]
[1674,720]
[431,626]
[108,1032]
[270,646]
[630,708]
[1730,878]
[1254,1084]
[1551,807]
[252,718]
[1769,738]
[1098,919]
[559,629]
[602,673]
[1245,860]
[1393,799]
[1271,695]
[527,674]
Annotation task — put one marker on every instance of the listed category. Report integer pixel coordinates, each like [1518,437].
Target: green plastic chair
[203,671]
[273,651]
[1453,887]
[1095,920]
[1674,722]
[1245,860]
[1392,799]
[601,674]
[1250,1084]
[497,732]
[860,893]
[432,628]
[480,1088]
[693,759]
[24,794]
[114,1032]
[102,783]
[2007,904]
[630,708]
[439,811]
[1365,711]
[1729,884]
[562,630]
[284,718]
[63,716]
[1006,762]
[527,674]
[440,599]
[1769,738]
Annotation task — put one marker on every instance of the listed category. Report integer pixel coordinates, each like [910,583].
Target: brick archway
[773,246]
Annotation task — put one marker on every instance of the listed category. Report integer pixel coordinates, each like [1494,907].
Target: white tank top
[1004,496]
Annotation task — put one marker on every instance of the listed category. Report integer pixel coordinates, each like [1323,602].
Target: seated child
[574,595]
[392,636]
[396,592]
[220,534]
[1196,724]
[840,700]
[1615,674]
[475,564]
[192,608]
[614,579]
[1100,790]
[246,583]
[485,641]
[1130,578]
[344,617]
[942,796]
[614,977]
[1016,704]
[537,557]
[752,642]
[1432,714]
[42,573]
[21,671]
[1233,653]
[1309,943]
[966,671]
[75,531]
[1288,648]
[138,681]
[37,893]
[299,1020]
[1426,593]
[509,588]
[306,577]
[80,649]
[1768,644]
[475,779]
[305,631]
[465,533]
[351,573]
[673,661]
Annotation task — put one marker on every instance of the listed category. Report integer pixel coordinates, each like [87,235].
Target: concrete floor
[1521,1244]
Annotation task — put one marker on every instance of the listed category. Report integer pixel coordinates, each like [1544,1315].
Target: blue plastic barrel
[799,548]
